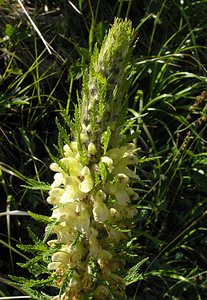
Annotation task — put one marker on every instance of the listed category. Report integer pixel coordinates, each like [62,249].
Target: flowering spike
[105,83]
[91,197]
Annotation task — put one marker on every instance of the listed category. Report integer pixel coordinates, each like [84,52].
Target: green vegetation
[44,47]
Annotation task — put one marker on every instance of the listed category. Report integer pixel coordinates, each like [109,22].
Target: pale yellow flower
[100,211]
[53,266]
[86,180]
[72,165]
[55,195]
[72,191]
[58,180]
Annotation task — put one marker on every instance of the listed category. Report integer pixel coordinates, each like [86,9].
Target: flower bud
[55,168]
[108,161]
[92,149]
[74,146]
[114,213]
[122,178]
[68,151]
[84,137]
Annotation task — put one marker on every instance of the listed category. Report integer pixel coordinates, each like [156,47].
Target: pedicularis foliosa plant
[92,194]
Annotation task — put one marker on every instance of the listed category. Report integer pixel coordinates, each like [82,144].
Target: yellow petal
[100,212]
[108,161]
[86,185]
[73,165]
[68,151]
[53,266]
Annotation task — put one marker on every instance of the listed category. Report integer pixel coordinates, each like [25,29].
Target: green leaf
[35,266]
[106,139]
[75,71]
[103,172]
[40,218]
[33,236]
[66,280]
[63,136]
[60,164]
[35,185]
[20,101]
[49,229]
[35,295]
[9,30]
[32,282]
[33,248]
[133,273]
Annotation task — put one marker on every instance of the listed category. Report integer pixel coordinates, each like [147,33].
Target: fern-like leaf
[33,248]
[133,274]
[106,139]
[33,236]
[35,266]
[36,185]
[66,280]
[60,164]
[63,136]
[35,295]
[29,283]
[49,230]
[40,218]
